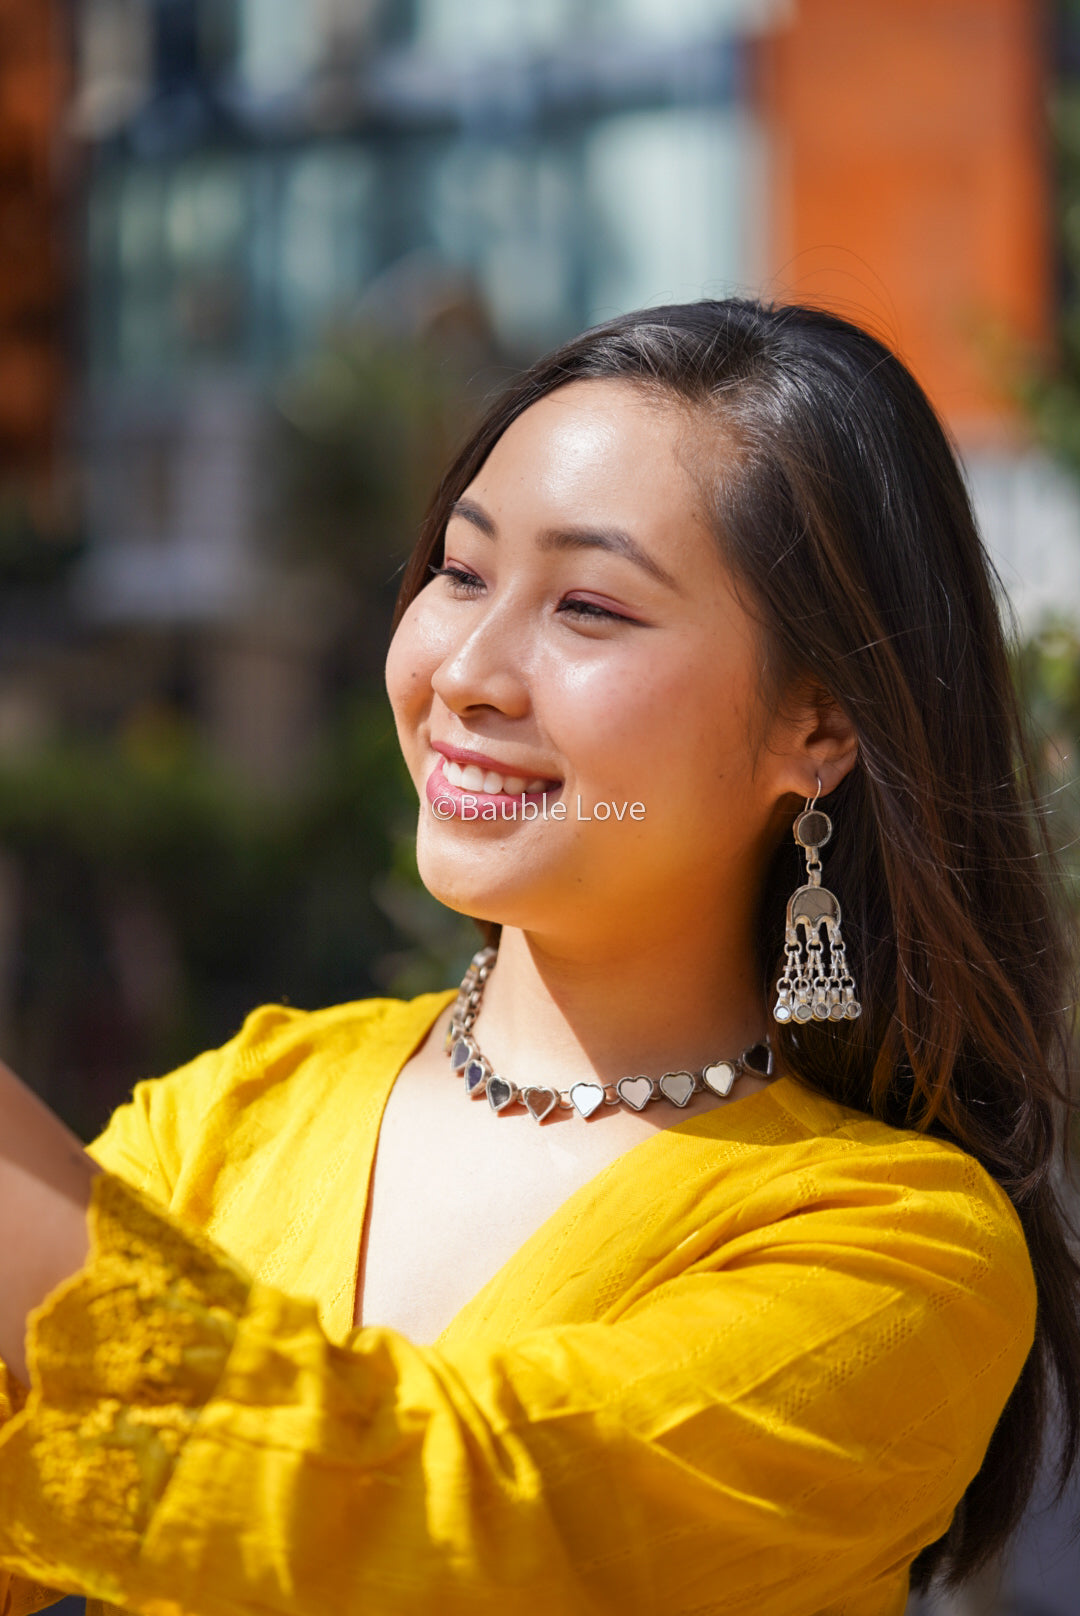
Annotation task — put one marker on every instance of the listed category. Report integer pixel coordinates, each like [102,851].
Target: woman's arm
[144,1143]
[45,1182]
[785,1423]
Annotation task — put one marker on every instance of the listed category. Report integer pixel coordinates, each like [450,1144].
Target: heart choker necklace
[467,1059]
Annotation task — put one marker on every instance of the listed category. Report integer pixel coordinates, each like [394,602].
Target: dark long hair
[839,506]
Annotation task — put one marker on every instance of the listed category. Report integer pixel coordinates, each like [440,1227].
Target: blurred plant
[1051,393]
[437,942]
[1048,664]
[365,428]
[37,546]
[1048,678]
[148,901]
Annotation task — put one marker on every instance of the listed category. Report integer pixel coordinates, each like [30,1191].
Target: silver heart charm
[759,1059]
[636,1091]
[677,1087]
[719,1077]
[586,1097]
[500,1093]
[475,1077]
[540,1102]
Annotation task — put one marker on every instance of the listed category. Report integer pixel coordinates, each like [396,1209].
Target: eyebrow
[616,540]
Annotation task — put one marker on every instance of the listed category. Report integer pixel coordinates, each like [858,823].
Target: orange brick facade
[33,90]
[911,186]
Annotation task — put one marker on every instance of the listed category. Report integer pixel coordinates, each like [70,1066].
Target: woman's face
[588,639]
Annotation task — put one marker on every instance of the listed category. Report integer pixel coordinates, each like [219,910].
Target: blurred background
[261,264]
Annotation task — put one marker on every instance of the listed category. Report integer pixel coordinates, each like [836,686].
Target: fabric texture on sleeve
[18,1595]
[132,1348]
[143,1143]
[775,1430]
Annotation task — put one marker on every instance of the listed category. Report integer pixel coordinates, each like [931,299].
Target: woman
[673,1323]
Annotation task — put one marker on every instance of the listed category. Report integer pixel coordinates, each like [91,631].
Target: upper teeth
[471,777]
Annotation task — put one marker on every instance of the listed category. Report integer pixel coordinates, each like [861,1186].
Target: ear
[817,743]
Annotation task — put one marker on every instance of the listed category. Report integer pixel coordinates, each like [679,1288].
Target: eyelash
[470,584]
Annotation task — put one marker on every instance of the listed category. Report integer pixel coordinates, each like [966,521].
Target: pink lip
[461,754]
[437,786]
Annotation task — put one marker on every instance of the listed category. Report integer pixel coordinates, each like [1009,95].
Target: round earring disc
[812,829]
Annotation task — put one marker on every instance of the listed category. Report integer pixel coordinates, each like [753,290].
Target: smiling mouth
[481,782]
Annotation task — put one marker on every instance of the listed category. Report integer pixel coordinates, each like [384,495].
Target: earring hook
[817,794]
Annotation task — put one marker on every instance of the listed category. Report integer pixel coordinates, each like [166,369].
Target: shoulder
[917,1205]
[277,1040]
[277,1070]
[876,1256]
[855,1146]
[272,1029]
[278,1043]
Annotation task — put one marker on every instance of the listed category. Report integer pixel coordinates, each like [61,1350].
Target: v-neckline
[565,1209]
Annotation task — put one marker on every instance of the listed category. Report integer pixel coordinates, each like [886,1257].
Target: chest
[458,1189]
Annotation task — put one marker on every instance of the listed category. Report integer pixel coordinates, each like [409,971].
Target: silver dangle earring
[811,988]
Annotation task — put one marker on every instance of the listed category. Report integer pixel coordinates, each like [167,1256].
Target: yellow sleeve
[19,1596]
[127,1147]
[777,1428]
[144,1143]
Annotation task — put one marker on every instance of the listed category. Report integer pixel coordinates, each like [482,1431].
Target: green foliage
[153,901]
[365,428]
[1048,675]
[1051,393]
[34,554]
[1048,665]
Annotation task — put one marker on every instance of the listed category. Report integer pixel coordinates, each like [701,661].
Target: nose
[486,664]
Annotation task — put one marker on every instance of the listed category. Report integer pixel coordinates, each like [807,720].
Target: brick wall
[911,184]
[33,87]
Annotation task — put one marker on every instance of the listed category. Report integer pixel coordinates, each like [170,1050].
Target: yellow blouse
[750,1367]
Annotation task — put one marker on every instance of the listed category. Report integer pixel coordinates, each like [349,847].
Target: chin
[471,887]
[450,879]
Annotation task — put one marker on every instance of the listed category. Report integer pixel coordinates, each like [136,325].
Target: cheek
[416,650]
[666,726]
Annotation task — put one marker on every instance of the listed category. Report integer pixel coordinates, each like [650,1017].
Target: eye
[461,582]
[589,608]
[467,584]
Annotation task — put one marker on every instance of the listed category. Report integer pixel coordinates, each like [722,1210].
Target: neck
[604,1012]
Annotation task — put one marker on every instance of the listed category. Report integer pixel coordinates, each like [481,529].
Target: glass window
[278,45]
[664,192]
[509,215]
[627,182]
[684,19]
[494,27]
[325,255]
[477,28]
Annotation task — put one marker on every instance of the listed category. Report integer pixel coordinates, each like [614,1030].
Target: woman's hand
[45,1179]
